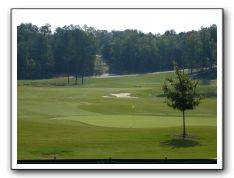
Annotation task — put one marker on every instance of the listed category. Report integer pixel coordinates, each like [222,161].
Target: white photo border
[220,102]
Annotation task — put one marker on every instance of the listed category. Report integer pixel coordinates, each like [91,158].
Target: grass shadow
[179,143]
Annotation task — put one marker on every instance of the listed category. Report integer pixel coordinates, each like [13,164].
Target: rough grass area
[74,122]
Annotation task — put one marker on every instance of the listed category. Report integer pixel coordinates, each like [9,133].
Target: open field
[88,122]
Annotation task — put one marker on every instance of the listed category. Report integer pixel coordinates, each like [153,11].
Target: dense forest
[85,51]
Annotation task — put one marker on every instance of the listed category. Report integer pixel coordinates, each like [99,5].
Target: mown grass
[78,122]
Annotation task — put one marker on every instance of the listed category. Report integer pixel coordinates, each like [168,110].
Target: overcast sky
[155,21]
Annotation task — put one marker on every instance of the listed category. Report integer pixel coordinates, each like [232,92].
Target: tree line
[74,50]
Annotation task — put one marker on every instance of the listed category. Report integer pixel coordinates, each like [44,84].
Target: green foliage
[75,51]
[34,52]
[132,51]
[71,50]
[181,92]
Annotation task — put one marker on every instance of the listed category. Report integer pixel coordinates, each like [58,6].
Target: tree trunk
[76,80]
[82,79]
[68,81]
[184,133]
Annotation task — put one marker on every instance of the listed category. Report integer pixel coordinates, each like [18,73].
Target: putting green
[136,121]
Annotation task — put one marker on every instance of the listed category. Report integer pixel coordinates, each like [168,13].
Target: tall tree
[71,50]
[35,56]
[181,93]
[75,51]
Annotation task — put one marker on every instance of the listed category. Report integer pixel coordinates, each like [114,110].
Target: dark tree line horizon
[73,50]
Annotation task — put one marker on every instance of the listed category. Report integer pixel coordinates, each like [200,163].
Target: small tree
[181,93]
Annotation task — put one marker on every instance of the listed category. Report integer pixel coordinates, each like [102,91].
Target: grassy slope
[77,122]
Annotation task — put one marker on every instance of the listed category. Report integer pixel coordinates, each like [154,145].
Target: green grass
[134,121]
[78,122]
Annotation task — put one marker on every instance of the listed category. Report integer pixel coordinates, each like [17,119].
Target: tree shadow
[179,143]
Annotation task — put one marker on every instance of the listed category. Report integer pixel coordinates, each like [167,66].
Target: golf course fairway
[121,117]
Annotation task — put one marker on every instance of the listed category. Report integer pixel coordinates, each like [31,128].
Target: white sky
[149,20]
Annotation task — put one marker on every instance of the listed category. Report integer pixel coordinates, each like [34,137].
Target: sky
[145,20]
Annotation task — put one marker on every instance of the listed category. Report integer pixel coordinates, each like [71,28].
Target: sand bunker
[120,95]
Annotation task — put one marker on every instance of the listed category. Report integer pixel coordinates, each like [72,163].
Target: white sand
[122,95]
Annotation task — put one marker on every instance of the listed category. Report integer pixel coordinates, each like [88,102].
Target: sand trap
[122,95]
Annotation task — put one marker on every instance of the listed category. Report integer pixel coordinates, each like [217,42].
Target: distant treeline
[73,50]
